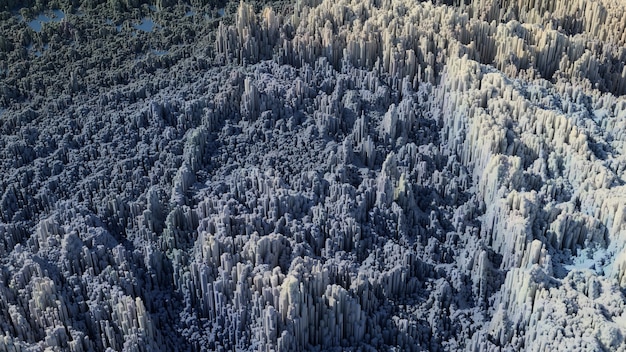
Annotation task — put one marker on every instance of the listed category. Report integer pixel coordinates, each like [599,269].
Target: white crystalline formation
[331,175]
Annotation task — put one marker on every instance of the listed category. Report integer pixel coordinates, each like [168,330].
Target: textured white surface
[331,175]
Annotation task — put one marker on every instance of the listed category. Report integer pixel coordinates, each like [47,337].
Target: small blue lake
[37,23]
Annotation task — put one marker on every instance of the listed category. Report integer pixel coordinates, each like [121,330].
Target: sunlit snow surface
[325,175]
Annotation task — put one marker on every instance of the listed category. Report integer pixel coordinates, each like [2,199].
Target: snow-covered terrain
[349,175]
